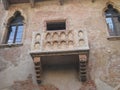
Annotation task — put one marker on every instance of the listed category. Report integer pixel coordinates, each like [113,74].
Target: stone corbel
[5,4]
[32,2]
[38,69]
[83,68]
[83,58]
[61,2]
[93,0]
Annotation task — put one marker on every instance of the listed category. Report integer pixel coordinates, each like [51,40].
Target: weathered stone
[80,15]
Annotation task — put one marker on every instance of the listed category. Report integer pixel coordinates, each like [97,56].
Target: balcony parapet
[59,41]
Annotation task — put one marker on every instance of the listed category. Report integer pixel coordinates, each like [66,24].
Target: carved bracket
[61,2]
[83,58]
[83,68]
[38,69]
[5,4]
[32,2]
[93,0]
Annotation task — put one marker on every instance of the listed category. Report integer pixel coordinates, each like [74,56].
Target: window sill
[11,45]
[113,37]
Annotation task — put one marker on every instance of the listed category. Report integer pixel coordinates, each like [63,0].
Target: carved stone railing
[52,41]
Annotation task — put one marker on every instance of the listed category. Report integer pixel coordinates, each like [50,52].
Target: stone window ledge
[113,37]
[11,45]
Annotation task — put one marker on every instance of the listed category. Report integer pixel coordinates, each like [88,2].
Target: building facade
[60,45]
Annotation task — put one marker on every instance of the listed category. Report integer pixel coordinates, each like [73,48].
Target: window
[113,21]
[60,25]
[15,29]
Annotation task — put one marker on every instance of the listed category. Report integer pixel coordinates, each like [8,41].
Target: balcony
[60,47]
[59,42]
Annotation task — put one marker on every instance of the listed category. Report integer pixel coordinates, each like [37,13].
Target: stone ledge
[49,53]
[10,45]
[113,38]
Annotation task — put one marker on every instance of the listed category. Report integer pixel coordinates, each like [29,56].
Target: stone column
[38,69]
[83,68]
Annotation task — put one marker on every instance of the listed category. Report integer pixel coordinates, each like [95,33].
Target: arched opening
[15,29]
[113,20]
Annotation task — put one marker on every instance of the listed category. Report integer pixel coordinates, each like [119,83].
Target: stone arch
[106,7]
[14,16]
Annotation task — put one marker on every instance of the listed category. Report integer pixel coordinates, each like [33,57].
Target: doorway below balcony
[61,71]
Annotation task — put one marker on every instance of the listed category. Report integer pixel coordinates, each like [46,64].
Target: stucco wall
[104,59]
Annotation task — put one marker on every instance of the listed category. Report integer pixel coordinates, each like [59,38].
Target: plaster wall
[16,63]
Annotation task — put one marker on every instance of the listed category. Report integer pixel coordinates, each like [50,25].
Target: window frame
[16,32]
[6,25]
[17,20]
[59,20]
[113,14]
[113,23]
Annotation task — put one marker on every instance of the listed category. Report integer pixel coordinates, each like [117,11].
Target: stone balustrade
[61,40]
